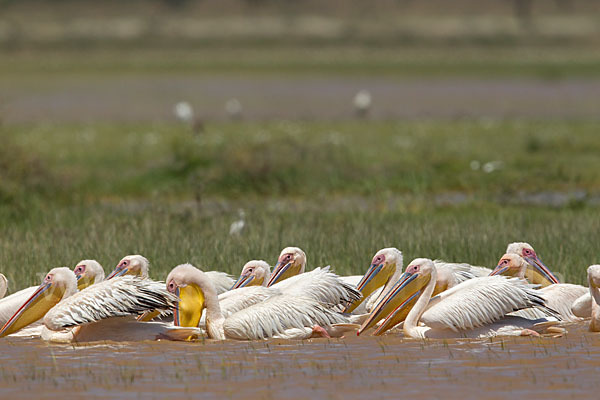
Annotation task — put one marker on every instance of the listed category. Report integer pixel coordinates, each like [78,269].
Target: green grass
[369,159]
[341,191]
[346,239]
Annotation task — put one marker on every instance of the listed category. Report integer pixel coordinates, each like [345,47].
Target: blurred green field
[442,189]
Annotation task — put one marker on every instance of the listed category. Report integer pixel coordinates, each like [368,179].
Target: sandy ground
[151,97]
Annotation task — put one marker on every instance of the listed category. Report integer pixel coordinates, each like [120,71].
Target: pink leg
[319,331]
[529,332]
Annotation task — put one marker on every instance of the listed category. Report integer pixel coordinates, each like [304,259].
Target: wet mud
[355,367]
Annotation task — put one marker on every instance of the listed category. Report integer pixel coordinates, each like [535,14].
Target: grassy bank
[486,159]
[452,190]
[346,239]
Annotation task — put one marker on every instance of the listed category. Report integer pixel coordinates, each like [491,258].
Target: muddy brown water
[355,367]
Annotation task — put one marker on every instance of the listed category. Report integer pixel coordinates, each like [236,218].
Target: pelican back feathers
[117,297]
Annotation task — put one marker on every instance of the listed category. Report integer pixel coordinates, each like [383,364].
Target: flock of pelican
[429,299]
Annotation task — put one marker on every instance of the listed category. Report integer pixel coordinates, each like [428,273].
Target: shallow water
[354,367]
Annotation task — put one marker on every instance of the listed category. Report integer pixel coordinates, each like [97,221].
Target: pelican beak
[245,280]
[499,270]
[84,281]
[148,315]
[40,302]
[399,297]
[189,309]
[119,271]
[283,271]
[376,276]
[539,273]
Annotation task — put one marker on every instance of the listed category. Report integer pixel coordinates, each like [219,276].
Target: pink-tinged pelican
[538,273]
[386,268]
[254,273]
[89,315]
[291,261]
[88,272]
[280,315]
[139,265]
[474,308]
[559,296]
[3,285]
[593,274]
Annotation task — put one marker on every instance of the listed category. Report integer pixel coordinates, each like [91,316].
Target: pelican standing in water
[474,308]
[104,311]
[280,315]
[139,265]
[559,296]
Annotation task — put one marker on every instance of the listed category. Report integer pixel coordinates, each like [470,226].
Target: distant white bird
[233,108]
[237,227]
[184,111]
[362,102]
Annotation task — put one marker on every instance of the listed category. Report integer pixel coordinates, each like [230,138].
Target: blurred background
[153,125]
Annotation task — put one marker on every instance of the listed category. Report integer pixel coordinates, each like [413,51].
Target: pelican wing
[278,314]
[321,285]
[463,271]
[480,301]
[561,296]
[117,297]
[241,298]
[222,281]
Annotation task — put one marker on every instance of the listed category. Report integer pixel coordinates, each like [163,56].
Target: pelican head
[254,273]
[3,285]
[59,283]
[291,261]
[192,286]
[131,265]
[542,273]
[401,297]
[88,272]
[593,273]
[382,268]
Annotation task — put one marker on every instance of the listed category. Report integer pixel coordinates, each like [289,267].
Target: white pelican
[292,262]
[474,308]
[593,274]
[539,273]
[139,265]
[285,316]
[87,273]
[254,273]
[559,296]
[386,268]
[90,315]
[3,285]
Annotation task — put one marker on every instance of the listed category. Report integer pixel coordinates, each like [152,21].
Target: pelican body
[474,308]
[279,315]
